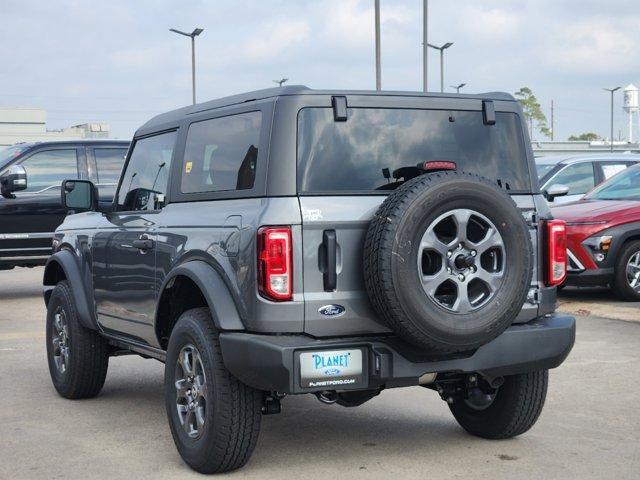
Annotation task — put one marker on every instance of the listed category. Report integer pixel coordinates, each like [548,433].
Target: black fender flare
[66,260]
[222,306]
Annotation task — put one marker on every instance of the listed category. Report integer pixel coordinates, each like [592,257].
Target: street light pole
[458,87]
[193,36]
[193,68]
[377,21]
[425,46]
[442,49]
[612,91]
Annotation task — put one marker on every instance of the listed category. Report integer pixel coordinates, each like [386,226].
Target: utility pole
[531,127]
[377,20]
[425,45]
[612,91]
[552,126]
[193,36]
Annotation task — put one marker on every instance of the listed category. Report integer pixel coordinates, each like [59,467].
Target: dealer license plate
[334,368]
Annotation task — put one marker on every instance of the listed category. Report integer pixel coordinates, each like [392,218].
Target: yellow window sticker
[187,167]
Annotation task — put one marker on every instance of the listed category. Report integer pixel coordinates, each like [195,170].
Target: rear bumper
[269,362]
[590,277]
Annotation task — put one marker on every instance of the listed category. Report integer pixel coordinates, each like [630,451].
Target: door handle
[330,275]
[144,243]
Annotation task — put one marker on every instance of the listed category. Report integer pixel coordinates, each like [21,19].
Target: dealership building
[27,124]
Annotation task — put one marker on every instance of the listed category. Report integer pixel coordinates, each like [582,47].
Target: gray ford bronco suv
[338,243]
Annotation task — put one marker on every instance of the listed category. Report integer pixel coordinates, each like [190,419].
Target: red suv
[603,235]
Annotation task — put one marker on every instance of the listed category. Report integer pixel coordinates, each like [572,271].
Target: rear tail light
[557,252]
[275,263]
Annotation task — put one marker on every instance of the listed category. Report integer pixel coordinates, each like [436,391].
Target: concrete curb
[603,310]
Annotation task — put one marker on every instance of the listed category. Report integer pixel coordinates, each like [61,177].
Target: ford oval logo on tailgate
[331,310]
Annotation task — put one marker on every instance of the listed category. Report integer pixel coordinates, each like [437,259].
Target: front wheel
[511,411]
[626,284]
[78,357]
[214,418]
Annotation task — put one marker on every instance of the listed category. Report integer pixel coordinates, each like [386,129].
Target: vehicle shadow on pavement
[590,294]
[419,421]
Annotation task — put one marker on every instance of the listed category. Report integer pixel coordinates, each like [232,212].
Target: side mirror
[79,195]
[13,180]
[556,190]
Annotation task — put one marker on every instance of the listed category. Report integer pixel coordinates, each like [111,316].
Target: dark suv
[30,177]
[292,241]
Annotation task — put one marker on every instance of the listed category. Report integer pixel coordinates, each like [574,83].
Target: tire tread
[89,352]
[515,413]
[238,406]
[377,269]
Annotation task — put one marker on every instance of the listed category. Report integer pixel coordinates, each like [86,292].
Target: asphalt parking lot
[588,429]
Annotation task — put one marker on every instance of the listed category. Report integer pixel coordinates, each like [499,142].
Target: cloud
[135,58]
[595,46]
[275,40]
[489,25]
[119,55]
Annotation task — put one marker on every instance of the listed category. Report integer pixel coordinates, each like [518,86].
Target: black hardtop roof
[290,90]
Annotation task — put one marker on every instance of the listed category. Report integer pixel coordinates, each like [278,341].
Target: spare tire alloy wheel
[462,260]
[448,261]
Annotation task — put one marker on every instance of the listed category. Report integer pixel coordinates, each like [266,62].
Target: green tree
[585,137]
[533,112]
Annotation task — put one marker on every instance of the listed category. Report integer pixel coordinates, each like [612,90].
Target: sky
[116,61]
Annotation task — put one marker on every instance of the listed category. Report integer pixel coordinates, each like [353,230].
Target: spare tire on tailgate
[448,261]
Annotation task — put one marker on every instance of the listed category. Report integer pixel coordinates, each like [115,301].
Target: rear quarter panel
[223,233]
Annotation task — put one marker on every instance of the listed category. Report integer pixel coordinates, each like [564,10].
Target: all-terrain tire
[233,410]
[515,409]
[621,286]
[87,357]
[391,249]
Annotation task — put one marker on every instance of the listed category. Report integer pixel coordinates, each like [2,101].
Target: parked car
[292,241]
[564,179]
[603,236]
[30,179]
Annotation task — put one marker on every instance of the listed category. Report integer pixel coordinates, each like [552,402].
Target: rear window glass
[377,149]
[221,154]
[109,163]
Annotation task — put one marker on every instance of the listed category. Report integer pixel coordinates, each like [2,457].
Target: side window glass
[221,154]
[109,163]
[144,183]
[46,170]
[578,177]
[609,169]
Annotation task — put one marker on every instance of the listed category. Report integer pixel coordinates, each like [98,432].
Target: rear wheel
[214,418]
[626,284]
[512,410]
[78,357]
